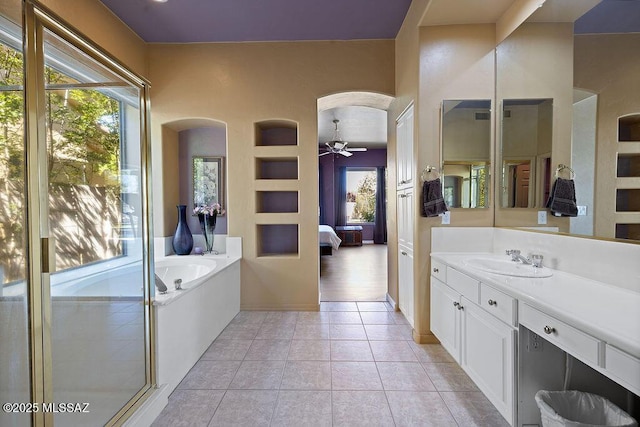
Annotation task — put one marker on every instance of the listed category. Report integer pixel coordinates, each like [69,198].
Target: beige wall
[241,84]
[604,65]
[103,28]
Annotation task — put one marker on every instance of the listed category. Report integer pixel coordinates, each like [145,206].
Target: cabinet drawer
[464,284]
[499,304]
[623,367]
[439,270]
[568,338]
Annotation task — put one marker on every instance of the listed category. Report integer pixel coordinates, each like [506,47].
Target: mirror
[576,52]
[466,152]
[525,176]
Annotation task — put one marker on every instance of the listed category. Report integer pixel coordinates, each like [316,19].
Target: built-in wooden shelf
[629,128]
[276,168]
[277,239]
[276,133]
[276,201]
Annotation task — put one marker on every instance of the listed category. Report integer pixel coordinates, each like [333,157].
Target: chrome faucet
[515,256]
[535,260]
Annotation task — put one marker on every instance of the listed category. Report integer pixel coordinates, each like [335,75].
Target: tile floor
[350,364]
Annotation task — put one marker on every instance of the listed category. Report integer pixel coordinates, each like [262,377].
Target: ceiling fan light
[338,145]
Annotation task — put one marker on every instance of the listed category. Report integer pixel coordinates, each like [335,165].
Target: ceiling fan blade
[324,154]
[345,153]
[356,149]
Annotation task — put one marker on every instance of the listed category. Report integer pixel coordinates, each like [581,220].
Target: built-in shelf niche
[627,200]
[629,128]
[276,133]
[276,168]
[628,231]
[628,165]
[277,240]
[276,201]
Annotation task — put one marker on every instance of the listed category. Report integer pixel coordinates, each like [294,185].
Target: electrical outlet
[535,342]
[446,217]
[542,217]
[582,211]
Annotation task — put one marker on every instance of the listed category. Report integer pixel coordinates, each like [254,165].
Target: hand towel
[562,201]
[432,200]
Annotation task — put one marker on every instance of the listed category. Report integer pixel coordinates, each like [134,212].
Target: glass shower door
[94,211]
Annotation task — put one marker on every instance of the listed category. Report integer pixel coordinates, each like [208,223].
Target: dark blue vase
[182,239]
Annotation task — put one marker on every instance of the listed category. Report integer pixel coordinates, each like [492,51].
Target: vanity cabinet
[405,254]
[482,340]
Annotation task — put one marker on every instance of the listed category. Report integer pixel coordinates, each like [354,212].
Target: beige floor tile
[210,374]
[431,353]
[307,331]
[372,306]
[377,318]
[408,376]
[313,317]
[351,351]
[306,375]
[392,351]
[388,332]
[245,408]
[338,306]
[276,331]
[473,409]
[345,317]
[249,317]
[236,331]
[268,350]
[449,377]
[347,332]
[227,350]
[281,317]
[189,408]
[310,350]
[303,408]
[360,408]
[355,376]
[258,375]
[410,408]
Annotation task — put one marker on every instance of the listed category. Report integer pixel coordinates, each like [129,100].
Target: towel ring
[562,167]
[429,169]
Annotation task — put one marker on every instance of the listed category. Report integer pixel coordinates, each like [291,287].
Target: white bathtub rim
[222,262]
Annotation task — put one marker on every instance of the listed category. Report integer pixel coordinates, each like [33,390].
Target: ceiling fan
[337,146]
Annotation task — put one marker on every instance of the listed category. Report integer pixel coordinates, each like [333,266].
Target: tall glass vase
[208,226]
[182,239]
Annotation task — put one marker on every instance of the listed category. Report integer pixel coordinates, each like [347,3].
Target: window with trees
[361,195]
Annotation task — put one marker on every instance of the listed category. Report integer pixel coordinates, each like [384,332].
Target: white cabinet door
[488,352]
[445,316]
[405,217]
[404,148]
[405,283]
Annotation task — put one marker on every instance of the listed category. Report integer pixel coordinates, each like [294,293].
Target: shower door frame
[36,18]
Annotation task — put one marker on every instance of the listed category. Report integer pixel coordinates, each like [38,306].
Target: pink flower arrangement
[212,209]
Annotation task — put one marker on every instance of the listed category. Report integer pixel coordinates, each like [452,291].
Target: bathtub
[188,320]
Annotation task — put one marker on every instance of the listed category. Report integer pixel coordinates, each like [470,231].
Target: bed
[329,240]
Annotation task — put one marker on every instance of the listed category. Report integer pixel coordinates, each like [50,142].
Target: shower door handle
[48,253]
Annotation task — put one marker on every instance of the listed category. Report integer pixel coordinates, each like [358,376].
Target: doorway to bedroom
[352,149]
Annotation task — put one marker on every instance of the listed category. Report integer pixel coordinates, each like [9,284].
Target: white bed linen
[328,236]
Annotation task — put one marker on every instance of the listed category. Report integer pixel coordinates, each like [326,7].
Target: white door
[404,147]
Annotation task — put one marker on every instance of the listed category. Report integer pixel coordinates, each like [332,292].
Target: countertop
[607,312]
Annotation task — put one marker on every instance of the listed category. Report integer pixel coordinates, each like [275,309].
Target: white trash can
[579,409]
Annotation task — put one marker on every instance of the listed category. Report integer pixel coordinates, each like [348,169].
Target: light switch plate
[542,217]
[446,217]
[582,211]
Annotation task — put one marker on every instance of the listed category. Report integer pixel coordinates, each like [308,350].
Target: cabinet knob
[435,270]
[456,303]
[492,302]
[403,253]
[549,330]
[460,307]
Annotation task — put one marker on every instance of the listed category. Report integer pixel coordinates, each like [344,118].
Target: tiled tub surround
[350,364]
[592,299]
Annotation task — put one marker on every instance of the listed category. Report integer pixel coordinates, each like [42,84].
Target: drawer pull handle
[435,270]
[549,330]
[492,302]
[455,304]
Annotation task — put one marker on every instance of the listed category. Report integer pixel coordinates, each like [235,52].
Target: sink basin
[507,267]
